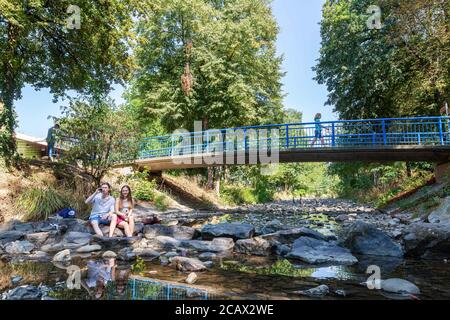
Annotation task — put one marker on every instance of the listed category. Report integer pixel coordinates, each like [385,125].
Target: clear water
[432,277]
[253,277]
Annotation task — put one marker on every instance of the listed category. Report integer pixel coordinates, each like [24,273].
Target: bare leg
[112,226]
[314,141]
[323,142]
[125,227]
[94,224]
[131,224]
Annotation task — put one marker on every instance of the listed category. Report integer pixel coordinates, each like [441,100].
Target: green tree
[292,116]
[39,48]
[400,69]
[208,60]
[97,134]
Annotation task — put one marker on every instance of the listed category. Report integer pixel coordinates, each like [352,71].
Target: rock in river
[314,251]
[9,236]
[177,232]
[62,256]
[187,264]
[27,292]
[233,230]
[399,286]
[115,242]
[89,248]
[216,245]
[289,236]
[427,240]
[365,239]
[441,214]
[255,246]
[19,247]
[316,292]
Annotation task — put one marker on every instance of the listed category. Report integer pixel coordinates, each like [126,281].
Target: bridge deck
[438,154]
[375,140]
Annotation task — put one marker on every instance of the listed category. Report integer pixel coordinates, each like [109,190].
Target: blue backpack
[67,213]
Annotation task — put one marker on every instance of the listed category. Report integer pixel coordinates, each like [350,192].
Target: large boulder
[38,237]
[146,253]
[24,227]
[441,214]
[67,225]
[427,240]
[19,247]
[115,242]
[233,230]
[365,239]
[271,227]
[52,247]
[314,251]
[187,264]
[316,292]
[39,256]
[10,236]
[399,286]
[289,236]
[89,248]
[79,238]
[216,245]
[255,246]
[177,232]
[117,231]
[26,292]
[165,243]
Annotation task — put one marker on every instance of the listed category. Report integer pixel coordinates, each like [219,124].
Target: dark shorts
[318,134]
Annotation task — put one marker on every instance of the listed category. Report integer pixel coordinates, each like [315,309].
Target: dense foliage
[97,134]
[43,45]
[227,51]
[402,69]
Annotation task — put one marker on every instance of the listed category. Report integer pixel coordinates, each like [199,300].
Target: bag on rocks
[67,213]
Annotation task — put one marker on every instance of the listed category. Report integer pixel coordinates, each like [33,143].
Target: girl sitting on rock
[124,211]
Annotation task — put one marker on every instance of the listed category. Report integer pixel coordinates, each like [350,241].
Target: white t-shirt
[102,206]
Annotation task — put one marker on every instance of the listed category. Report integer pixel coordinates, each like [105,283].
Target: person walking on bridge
[318,130]
[51,140]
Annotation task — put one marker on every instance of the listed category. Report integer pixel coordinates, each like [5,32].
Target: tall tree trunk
[408,169]
[7,91]
[210,182]
[217,174]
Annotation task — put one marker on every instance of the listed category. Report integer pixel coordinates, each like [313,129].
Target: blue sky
[298,41]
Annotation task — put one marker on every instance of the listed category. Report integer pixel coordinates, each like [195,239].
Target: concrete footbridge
[373,140]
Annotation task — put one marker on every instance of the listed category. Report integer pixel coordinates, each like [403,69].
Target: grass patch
[161,202]
[280,268]
[34,273]
[238,195]
[38,203]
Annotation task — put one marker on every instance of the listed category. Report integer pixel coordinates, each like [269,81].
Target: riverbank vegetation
[215,62]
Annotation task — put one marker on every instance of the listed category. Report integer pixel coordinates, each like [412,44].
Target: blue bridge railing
[373,133]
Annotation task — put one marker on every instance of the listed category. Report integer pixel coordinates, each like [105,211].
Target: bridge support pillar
[442,172]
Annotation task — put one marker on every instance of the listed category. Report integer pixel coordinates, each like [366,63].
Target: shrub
[238,195]
[38,203]
[144,190]
[161,202]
